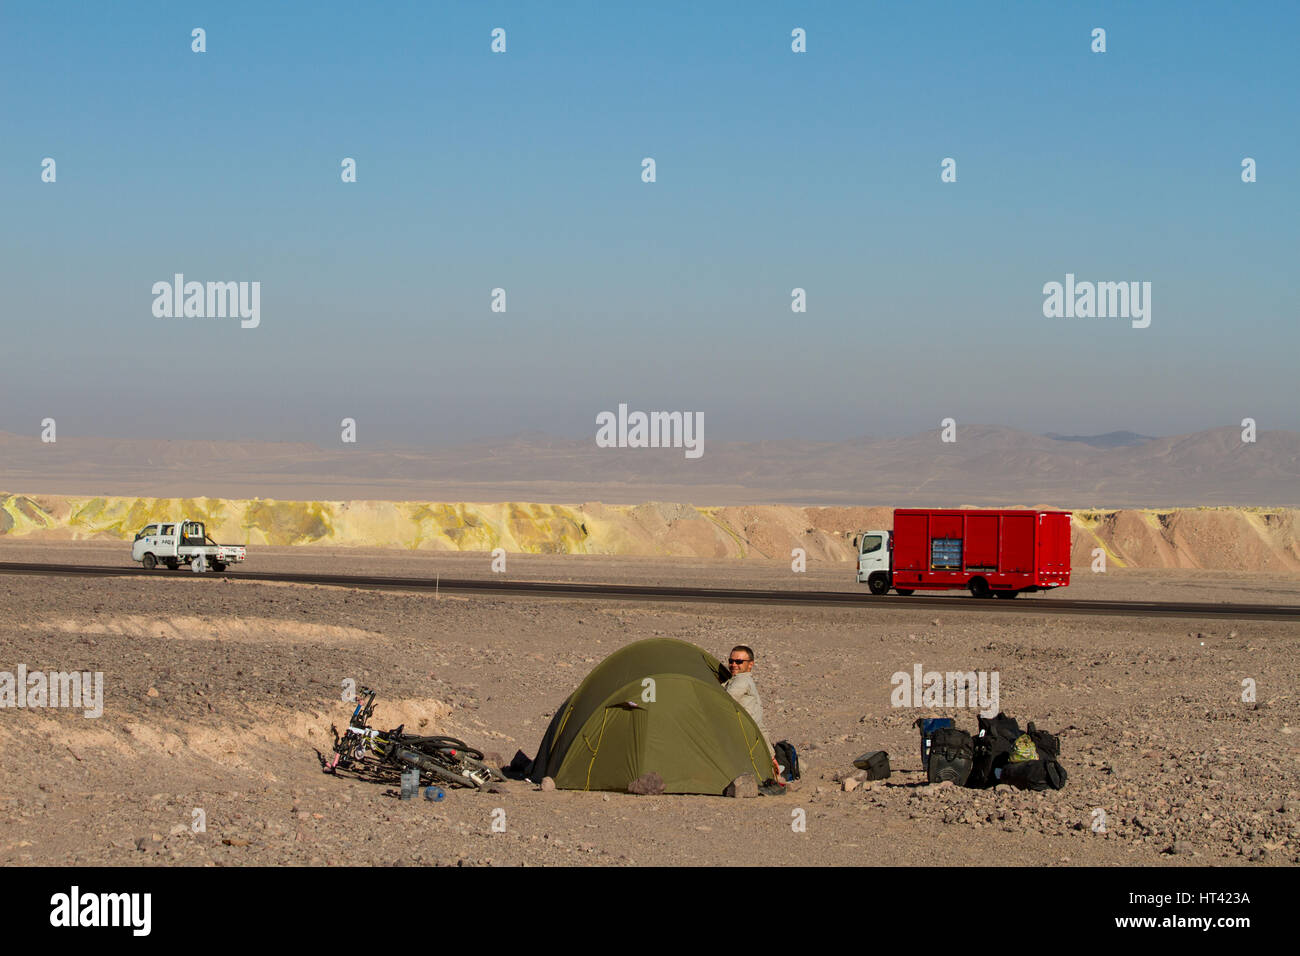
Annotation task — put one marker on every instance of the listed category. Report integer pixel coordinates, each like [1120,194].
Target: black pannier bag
[1042,774]
[951,756]
[876,764]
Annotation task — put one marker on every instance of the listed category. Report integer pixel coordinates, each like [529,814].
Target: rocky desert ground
[217,693]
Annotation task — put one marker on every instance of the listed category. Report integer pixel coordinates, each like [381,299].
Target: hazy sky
[522,170]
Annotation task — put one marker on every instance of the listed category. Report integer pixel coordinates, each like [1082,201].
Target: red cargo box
[1000,552]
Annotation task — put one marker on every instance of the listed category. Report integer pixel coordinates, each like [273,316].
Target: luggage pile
[1000,753]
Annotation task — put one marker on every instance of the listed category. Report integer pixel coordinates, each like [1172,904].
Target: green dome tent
[693,734]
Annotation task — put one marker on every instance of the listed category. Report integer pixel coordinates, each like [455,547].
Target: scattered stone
[547,785]
[152,692]
[648,784]
[746,785]
[849,784]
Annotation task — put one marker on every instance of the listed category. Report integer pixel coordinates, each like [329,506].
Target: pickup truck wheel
[172,564]
[878,583]
[979,588]
[149,562]
[218,565]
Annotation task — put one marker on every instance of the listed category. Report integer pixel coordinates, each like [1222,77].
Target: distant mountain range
[986,465]
[1108,440]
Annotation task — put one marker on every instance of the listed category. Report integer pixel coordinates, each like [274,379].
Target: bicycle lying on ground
[381,754]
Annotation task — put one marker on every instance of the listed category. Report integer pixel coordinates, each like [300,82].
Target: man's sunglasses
[737,660]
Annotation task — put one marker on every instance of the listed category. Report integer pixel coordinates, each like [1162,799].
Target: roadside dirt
[217,691]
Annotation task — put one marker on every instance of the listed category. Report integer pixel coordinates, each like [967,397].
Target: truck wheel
[979,588]
[905,592]
[172,564]
[218,566]
[149,562]
[878,583]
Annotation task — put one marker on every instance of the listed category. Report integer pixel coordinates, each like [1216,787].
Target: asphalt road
[955,601]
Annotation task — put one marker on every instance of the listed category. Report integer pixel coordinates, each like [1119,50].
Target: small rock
[849,784]
[648,784]
[152,692]
[178,830]
[746,785]
[547,785]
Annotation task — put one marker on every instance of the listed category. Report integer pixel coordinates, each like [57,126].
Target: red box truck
[990,552]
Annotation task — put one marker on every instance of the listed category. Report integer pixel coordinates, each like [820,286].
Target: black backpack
[997,743]
[1047,745]
[994,744]
[951,756]
[788,758]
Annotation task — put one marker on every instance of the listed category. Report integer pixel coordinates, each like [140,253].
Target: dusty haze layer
[1242,539]
[986,465]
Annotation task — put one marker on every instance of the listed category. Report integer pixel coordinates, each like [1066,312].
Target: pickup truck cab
[173,543]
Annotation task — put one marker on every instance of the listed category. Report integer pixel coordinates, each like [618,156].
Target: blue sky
[522,170]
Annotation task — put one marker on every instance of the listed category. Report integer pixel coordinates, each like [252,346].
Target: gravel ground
[217,691]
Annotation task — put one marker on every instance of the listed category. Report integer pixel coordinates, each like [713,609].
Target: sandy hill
[1255,539]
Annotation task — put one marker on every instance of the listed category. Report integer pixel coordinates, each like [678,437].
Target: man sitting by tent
[744,691]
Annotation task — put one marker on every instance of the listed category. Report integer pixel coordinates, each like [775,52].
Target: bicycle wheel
[431,745]
[432,766]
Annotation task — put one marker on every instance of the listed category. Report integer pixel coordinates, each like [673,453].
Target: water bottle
[410,783]
[433,793]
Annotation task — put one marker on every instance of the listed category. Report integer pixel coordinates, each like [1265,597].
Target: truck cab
[874,551]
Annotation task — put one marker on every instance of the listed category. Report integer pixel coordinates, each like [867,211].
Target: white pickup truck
[174,543]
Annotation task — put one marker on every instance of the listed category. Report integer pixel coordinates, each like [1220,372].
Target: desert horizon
[984,465]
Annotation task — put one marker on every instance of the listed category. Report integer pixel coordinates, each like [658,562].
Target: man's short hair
[746,648]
